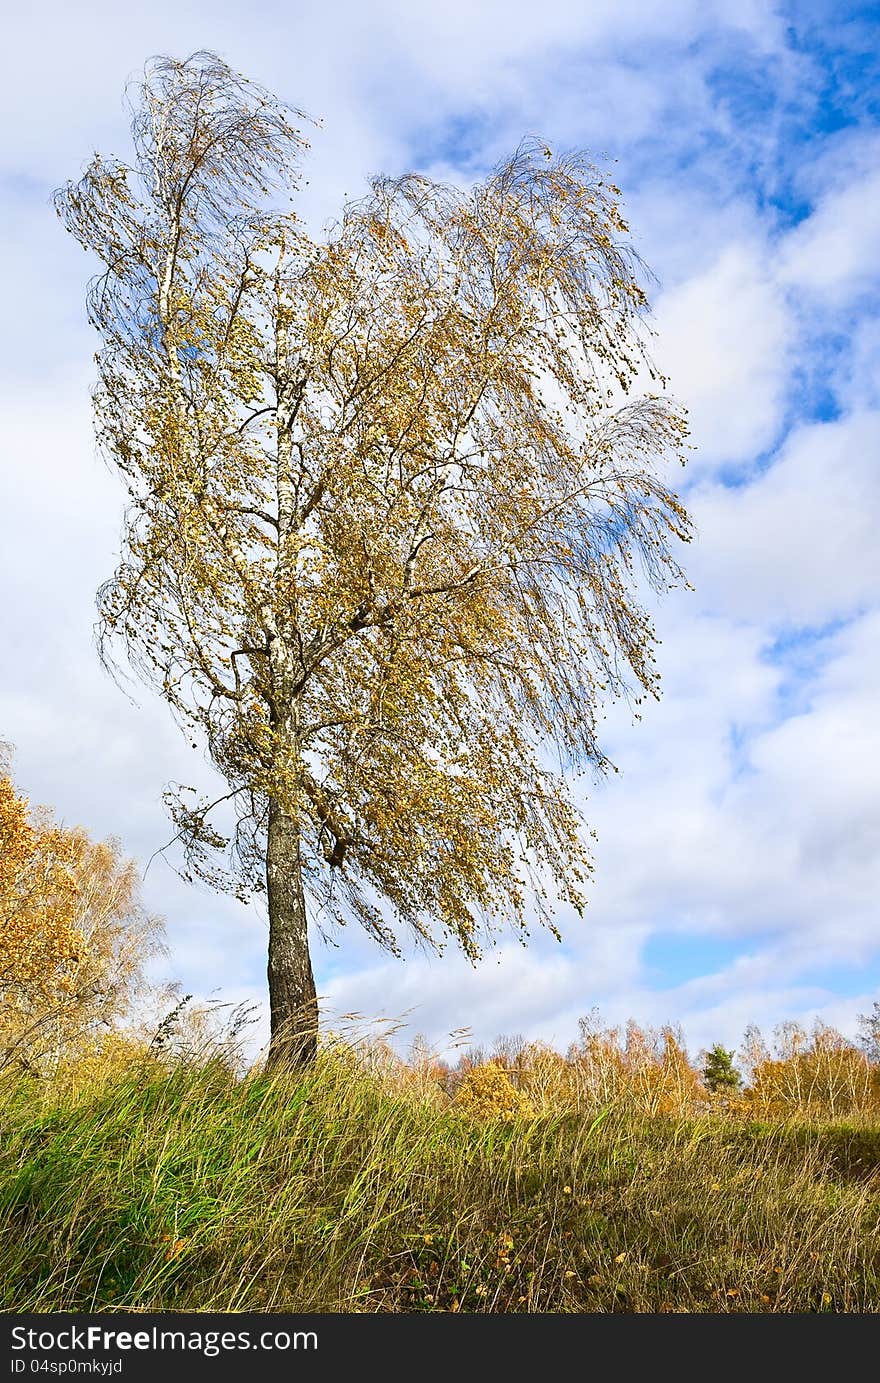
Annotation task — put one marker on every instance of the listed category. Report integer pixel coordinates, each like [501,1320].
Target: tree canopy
[74,935]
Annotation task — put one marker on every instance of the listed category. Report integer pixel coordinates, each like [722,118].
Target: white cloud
[834,253]
[724,337]
[797,544]
[856,373]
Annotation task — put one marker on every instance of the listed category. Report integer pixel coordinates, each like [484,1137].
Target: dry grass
[185,1187]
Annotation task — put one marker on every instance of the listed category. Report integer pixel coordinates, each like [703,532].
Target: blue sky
[737,857]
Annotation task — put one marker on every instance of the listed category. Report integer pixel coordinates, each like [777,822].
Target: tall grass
[186,1187]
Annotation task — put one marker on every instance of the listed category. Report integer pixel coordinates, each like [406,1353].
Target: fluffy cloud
[797,544]
[724,339]
[834,253]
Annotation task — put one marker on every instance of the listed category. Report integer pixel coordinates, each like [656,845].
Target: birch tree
[74,937]
[391,504]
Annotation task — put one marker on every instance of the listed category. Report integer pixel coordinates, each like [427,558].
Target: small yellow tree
[38,936]
[387,501]
[73,934]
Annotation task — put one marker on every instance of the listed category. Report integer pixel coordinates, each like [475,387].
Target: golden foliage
[643,1068]
[815,1075]
[99,1058]
[73,934]
[819,1073]
[388,500]
[38,900]
[486,1092]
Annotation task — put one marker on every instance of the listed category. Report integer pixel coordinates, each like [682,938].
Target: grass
[190,1189]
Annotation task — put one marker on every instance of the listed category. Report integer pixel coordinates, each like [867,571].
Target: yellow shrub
[105,1059]
[487,1093]
[544,1077]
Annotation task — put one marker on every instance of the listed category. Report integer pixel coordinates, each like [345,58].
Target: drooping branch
[391,506]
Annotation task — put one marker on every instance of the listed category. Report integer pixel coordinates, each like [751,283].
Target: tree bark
[292,999]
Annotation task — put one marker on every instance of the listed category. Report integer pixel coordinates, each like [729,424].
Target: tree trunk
[292,1000]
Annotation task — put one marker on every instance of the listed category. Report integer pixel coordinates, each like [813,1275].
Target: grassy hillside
[186,1188]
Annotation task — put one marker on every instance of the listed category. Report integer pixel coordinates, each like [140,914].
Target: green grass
[191,1190]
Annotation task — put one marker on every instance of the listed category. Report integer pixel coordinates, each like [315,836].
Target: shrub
[487,1092]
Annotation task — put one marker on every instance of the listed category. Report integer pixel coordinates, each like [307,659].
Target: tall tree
[387,501]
